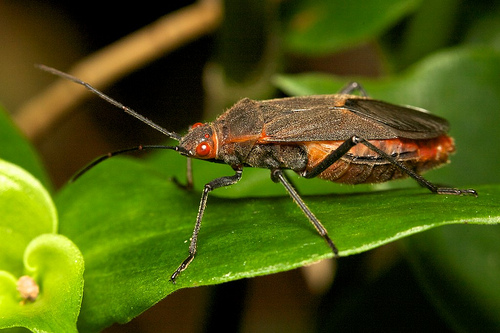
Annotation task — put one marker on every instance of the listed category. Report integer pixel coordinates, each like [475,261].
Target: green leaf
[133,227]
[29,247]
[322,26]
[27,211]
[56,265]
[16,149]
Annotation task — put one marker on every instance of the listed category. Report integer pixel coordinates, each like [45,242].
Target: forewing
[409,122]
[339,117]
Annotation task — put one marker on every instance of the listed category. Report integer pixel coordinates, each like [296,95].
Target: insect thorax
[270,156]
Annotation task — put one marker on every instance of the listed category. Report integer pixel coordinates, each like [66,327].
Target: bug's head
[200,142]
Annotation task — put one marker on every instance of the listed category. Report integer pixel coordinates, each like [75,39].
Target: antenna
[128,110]
[119,152]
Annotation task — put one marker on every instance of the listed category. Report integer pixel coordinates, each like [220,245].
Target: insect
[343,138]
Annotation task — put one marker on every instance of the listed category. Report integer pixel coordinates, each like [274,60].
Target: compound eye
[203,149]
[197,125]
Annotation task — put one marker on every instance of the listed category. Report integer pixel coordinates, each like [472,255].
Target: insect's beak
[182,151]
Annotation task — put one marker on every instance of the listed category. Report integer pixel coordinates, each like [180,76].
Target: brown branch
[109,64]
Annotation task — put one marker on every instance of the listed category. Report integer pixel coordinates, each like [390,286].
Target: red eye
[203,149]
[197,125]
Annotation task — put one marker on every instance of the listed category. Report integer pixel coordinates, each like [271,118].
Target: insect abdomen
[362,165]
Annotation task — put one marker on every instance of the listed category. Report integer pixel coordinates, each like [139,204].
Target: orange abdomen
[362,165]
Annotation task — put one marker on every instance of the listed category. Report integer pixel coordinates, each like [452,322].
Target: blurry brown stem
[116,60]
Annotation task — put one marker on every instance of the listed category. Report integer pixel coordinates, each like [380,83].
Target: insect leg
[348,144]
[277,175]
[351,87]
[189,177]
[189,174]
[331,158]
[421,180]
[216,183]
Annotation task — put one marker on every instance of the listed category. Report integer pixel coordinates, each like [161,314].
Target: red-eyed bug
[343,138]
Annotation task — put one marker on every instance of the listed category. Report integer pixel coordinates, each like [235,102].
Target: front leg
[216,183]
[189,177]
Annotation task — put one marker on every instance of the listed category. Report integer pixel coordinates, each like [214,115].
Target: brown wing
[411,122]
[339,117]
